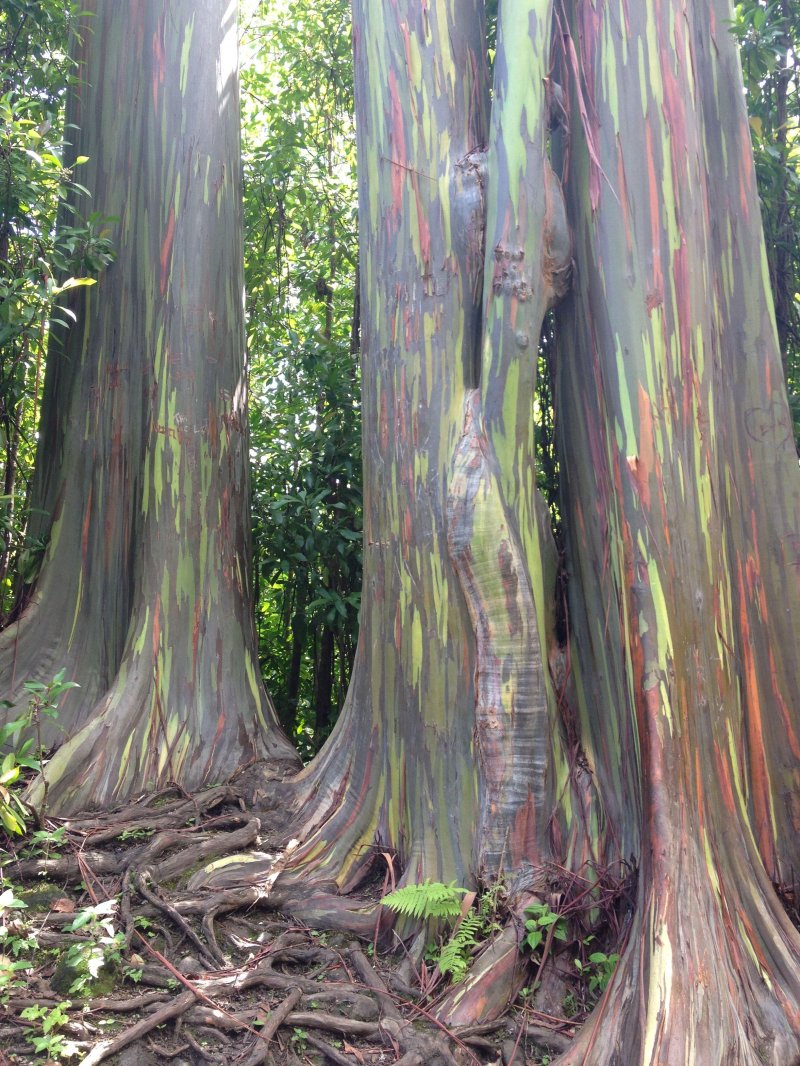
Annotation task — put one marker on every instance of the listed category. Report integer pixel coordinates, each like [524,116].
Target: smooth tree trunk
[144,598]
[681,505]
[87,465]
[375,785]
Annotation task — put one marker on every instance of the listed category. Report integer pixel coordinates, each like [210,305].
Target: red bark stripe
[159,64]
[166,250]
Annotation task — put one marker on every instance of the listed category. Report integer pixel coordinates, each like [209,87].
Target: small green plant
[15,943]
[431,899]
[44,841]
[299,1040]
[28,754]
[454,957]
[45,1038]
[472,926]
[140,833]
[569,1005]
[13,812]
[596,972]
[18,756]
[44,704]
[540,919]
[85,962]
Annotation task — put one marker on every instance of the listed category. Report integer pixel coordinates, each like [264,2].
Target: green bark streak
[498,536]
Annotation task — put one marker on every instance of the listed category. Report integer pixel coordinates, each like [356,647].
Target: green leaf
[431,899]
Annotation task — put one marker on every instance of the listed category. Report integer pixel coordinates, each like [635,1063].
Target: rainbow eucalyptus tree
[144,595]
[448,750]
[612,172]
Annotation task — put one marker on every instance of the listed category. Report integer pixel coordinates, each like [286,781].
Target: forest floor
[110,953]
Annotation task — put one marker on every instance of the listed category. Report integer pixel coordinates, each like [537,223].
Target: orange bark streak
[759,774]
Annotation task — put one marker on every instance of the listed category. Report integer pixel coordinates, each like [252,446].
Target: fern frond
[431,899]
[454,957]
[471,929]
[454,960]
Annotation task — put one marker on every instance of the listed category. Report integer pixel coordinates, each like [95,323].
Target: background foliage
[769,37]
[37,260]
[301,264]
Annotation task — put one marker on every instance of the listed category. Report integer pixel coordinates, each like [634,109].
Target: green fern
[431,899]
[454,958]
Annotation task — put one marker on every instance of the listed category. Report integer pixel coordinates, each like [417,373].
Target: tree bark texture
[681,497]
[449,752]
[144,597]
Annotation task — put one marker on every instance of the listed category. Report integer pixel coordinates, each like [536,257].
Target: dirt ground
[117,956]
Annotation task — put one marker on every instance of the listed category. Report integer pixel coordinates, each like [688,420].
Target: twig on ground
[329,1051]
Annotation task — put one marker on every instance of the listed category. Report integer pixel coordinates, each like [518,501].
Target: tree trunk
[412,692]
[681,498]
[145,595]
[448,754]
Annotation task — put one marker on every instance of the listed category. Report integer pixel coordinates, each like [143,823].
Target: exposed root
[492,984]
[270,1025]
[240,976]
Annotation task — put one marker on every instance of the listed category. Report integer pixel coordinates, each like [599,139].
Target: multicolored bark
[682,602]
[669,399]
[421,94]
[145,592]
[459,563]
[681,495]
